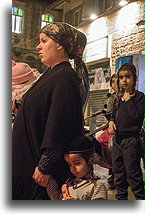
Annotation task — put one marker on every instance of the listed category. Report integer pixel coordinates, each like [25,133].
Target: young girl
[83,185]
[110,104]
[111,96]
[125,124]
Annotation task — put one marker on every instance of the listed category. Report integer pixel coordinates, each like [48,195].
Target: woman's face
[78,165]
[48,50]
[126,80]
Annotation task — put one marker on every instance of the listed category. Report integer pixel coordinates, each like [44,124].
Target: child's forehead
[72,157]
[123,73]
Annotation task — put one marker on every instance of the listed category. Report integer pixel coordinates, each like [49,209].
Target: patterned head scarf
[67,36]
[73,41]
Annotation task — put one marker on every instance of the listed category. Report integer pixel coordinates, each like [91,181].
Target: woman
[50,115]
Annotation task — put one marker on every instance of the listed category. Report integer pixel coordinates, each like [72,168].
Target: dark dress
[50,116]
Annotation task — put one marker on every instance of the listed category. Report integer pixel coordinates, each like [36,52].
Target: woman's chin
[44,62]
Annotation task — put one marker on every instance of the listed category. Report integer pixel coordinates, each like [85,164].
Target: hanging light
[140,24]
[93,16]
[123,3]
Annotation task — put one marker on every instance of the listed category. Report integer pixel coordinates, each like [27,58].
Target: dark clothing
[129,116]
[47,160]
[110,104]
[73,41]
[109,110]
[25,188]
[126,147]
[50,116]
[126,168]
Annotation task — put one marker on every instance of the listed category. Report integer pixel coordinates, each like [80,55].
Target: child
[23,77]
[83,185]
[110,104]
[125,124]
[111,96]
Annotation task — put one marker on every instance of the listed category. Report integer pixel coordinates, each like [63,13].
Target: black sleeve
[113,114]
[135,106]
[111,108]
[47,160]
[110,105]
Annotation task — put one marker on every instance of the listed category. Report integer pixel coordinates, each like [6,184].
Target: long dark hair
[91,157]
[132,69]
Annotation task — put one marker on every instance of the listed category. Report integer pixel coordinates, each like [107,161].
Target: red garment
[105,139]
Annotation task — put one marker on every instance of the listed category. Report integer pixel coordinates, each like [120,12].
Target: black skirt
[25,188]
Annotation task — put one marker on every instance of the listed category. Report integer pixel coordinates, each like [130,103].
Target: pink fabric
[19,90]
[104,139]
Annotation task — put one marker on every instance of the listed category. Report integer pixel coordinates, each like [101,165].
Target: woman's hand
[40,178]
[112,128]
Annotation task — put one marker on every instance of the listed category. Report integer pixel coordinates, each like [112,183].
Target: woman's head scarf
[73,41]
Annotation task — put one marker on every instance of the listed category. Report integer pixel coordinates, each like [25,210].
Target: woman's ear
[59,47]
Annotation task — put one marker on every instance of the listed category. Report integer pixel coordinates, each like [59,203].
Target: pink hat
[21,72]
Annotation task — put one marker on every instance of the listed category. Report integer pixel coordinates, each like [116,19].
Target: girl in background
[125,124]
[111,96]
[110,104]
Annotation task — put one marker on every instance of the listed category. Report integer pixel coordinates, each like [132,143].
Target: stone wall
[24,45]
[126,38]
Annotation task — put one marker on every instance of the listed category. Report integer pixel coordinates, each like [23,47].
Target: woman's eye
[43,41]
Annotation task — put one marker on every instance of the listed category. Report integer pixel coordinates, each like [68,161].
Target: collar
[60,64]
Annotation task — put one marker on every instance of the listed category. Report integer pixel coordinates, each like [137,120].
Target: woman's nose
[38,47]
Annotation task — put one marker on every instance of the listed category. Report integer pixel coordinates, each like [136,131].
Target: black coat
[50,116]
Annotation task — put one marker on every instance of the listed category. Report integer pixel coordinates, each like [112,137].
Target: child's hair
[91,157]
[86,148]
[132,69]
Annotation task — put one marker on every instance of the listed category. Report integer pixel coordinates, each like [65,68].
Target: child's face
[113,83]
[78,165]
[126,80]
